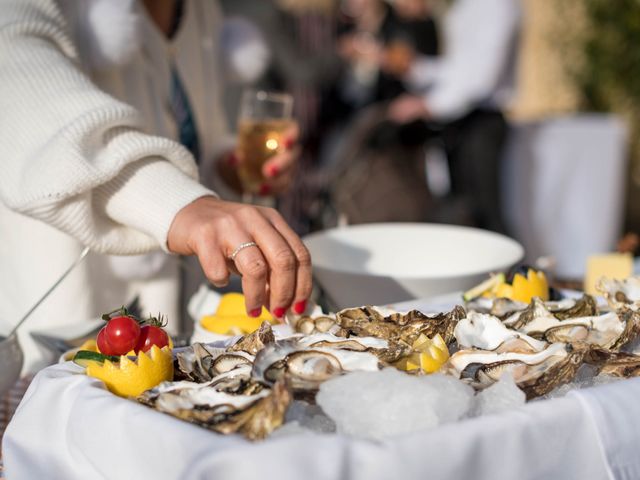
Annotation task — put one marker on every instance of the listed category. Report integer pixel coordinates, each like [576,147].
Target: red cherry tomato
[151,335]
[121,333]
[103,345]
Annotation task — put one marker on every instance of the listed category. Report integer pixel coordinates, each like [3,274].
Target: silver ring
[241,247]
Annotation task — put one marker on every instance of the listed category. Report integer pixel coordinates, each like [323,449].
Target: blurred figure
[300,35]
[460,98]
[377,43]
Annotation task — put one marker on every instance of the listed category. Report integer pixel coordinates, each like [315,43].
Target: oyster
[254,415]
[561,310]
[202,363]
[620,293]
[586,306]
[610,330]
[255,341]
[487,332]
[617,364]
[305,368]
[386,350]
[535,373]
[498,307]
[405,327]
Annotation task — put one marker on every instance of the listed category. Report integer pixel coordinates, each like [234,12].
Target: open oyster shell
[305,367]
[535,373]
[486,332]
[621,293]
[611,330]
[255,415]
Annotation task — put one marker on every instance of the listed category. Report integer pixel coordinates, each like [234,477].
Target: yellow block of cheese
[231,317]
[611,265]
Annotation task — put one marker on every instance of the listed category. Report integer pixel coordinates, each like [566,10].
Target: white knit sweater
[88,153]
[73,156]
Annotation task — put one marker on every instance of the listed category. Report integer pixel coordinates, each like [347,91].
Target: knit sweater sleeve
[74,157]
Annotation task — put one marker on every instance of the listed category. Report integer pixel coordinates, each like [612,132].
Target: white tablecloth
[69,427]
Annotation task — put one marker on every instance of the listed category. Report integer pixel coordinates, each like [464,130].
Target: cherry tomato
[103,345]
[121,333]
[151,335]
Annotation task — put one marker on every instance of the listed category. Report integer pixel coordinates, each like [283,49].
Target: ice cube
[376,405]
[499,397]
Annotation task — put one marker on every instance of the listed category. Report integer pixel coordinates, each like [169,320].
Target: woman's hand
[275,273]
[280,169]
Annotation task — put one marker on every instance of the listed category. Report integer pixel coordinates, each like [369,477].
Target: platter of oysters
[247,384]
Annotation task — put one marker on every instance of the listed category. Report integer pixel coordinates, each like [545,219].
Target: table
[67,421]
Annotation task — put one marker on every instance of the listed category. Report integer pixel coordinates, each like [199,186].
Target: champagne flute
[264,119]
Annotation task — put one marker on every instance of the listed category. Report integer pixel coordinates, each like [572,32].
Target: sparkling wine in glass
[265,118]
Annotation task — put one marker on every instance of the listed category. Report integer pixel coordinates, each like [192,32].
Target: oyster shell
[535,373]
[202,363]
[487,332]
[620,293]
[386,350]
[609,330]
[617,364]
[586,306]
[255,341]
[405,327]
[305,368]
[498,307]
[254,415]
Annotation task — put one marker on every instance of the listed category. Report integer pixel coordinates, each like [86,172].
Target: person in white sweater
[90,156]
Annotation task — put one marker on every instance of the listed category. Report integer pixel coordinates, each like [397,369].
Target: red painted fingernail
[232,160]
[300,307]
[289,143]
[279,312]
[255,312]
[264,190]
[272,171]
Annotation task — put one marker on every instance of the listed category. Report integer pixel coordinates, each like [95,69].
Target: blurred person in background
[110,108]
[377,43]
[461,96]
[300,35]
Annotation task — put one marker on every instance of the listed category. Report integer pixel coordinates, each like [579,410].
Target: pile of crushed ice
[391,403]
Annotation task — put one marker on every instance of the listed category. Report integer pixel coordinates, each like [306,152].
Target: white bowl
[383,263]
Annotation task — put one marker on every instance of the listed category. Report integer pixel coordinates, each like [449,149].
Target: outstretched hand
[275,273]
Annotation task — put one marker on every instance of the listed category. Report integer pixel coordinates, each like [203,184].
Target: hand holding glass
[264,120]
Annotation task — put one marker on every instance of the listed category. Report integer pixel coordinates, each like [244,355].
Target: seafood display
[247,386]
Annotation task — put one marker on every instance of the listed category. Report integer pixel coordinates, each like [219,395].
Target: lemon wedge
[429,354]
[130,377]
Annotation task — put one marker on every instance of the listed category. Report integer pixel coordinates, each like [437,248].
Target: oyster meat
[305,368]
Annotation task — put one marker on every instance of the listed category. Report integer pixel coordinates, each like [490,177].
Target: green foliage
[609,72]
